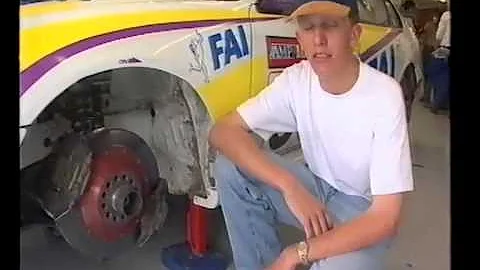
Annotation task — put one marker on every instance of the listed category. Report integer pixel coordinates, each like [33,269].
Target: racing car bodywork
[117,98]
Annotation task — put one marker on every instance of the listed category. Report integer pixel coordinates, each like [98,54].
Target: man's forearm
[360,233]
[237,145]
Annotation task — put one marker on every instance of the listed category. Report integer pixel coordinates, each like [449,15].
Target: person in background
[427,36]
[443,31]
[437,70]
[428,43]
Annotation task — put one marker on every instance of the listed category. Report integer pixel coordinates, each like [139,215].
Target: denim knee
[227,175]
[223,168]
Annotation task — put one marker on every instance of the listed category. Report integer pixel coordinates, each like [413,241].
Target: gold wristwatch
[302,251]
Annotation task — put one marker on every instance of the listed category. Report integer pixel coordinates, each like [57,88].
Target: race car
[117,98]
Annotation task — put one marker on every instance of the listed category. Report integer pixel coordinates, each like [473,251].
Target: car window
[393,15]
[365,12]
[373,11]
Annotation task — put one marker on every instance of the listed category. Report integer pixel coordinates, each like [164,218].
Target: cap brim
[321,8]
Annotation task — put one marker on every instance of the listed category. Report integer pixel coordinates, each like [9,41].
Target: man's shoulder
[288,79]
[381,85]
[292,75]
[380,78]
[298,68]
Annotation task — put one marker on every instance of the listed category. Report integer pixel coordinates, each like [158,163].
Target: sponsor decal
[198,52]
[132,60]
[283,52]
[228,45]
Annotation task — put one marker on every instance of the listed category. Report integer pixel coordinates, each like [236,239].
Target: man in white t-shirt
[352,126]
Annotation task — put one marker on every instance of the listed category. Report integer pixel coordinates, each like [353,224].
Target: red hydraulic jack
[194,254]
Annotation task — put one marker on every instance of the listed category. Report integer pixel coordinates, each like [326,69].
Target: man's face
[328,41]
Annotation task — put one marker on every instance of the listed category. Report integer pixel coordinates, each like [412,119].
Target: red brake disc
[113,204]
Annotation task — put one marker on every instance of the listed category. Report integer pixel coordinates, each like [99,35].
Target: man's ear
[298,39]
[356,33]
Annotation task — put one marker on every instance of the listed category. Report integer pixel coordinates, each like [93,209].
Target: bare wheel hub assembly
[122,200]
[113,204]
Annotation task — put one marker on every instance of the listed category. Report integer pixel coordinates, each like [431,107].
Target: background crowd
[432,27]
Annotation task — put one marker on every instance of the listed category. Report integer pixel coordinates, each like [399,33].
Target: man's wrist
[303,252]
[292,256]
[288,185]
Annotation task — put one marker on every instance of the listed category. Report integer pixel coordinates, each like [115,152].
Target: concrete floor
[423,242]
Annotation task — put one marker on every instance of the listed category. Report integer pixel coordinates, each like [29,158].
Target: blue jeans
[437,72]
[252,210]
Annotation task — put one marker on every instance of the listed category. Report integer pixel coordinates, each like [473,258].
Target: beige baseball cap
[340,8]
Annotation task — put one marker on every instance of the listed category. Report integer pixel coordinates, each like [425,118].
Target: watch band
[302,251]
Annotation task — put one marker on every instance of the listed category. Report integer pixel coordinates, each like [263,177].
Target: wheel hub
[121,201]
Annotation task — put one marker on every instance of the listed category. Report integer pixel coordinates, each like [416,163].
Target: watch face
[302,250]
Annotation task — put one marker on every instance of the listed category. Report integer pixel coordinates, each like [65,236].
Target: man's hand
[287,260]
[310,212]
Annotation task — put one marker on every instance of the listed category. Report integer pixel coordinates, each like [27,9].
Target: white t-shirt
[357,141]
[443,31]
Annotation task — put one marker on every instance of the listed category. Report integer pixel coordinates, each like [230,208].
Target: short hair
[354,17]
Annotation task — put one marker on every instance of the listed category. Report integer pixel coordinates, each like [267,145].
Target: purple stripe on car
[33,73]
[37,70]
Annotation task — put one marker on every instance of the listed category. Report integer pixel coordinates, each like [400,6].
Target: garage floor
[423,243]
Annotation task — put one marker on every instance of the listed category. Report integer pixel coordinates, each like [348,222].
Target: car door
[381,45]
[275,47]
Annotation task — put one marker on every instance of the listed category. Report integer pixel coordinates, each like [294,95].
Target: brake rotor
[106,220]
[112,206]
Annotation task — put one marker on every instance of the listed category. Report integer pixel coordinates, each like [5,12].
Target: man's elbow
[213,134]
[391,227]
[385,227]
[227,126]
[387,211]
[217,131]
